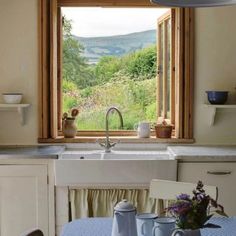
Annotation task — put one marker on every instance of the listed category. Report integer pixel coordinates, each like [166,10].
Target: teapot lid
[124,205]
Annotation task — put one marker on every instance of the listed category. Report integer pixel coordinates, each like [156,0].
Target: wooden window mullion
[59,67]
[159,70]
[172,113]
[165,58]
[184,73]
[179,73]
[53,69]
[191,68]
[44,75]
[188,72]
[106,3]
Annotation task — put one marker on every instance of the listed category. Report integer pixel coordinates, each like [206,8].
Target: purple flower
[180,207]
[183,196]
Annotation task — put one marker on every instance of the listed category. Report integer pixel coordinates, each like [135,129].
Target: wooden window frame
[50,54]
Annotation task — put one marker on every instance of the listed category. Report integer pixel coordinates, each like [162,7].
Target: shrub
[69,102]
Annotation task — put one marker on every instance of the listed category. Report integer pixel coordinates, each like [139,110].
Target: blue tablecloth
[103,227]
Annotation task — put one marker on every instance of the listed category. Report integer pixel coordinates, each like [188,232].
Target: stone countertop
[203,153]
[31,152]
[181,153]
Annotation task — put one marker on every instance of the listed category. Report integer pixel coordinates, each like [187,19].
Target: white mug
[163,226]
[143,129]
[145,223]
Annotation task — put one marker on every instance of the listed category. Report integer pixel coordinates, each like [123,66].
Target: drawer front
[222,175]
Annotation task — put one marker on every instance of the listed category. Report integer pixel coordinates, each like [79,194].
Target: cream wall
[19,67]
[215,68]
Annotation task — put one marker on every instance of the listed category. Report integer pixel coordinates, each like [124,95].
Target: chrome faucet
[107,144]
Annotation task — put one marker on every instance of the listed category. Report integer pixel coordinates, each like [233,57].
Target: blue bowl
[217,97]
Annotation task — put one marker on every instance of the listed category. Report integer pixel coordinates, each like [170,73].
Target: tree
[106,68]
[138,65]
[75,66]
[142,64]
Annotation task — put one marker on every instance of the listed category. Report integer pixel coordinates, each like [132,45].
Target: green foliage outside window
[128,82]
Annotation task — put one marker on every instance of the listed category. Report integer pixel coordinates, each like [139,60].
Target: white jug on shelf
[124,222]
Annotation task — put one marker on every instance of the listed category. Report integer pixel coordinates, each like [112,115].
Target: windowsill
[126,139]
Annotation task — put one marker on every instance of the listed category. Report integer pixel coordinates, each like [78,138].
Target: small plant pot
[163,131]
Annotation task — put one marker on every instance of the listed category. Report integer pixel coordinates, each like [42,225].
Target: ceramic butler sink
[136,155]
[115,155]
[81,155]
[118,168]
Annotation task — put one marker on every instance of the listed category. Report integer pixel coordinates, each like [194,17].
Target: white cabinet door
[222,175]
[23,199]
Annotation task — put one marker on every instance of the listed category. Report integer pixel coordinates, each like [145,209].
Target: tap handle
[113,144]
[100,143]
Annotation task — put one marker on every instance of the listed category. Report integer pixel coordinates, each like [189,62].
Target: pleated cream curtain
[100,202]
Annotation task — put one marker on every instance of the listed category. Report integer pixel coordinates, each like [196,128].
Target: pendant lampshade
[194,3]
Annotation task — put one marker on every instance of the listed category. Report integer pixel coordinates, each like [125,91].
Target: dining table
[102,226]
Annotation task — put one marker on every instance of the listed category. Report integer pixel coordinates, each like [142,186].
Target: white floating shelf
[20,108]
[214,108]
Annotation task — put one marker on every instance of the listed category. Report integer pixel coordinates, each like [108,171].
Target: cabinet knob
[219,172]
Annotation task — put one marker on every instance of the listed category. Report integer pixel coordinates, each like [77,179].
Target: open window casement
[165,68]
[175,70]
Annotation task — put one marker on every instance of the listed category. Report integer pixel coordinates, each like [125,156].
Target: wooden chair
[34,232]
[168,190]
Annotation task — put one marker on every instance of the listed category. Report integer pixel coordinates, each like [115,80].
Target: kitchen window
[173,78]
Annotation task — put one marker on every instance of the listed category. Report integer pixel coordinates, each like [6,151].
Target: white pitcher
[143,129]
[124,222]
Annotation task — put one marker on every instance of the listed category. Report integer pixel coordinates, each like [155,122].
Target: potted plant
[193,213]
[163,130]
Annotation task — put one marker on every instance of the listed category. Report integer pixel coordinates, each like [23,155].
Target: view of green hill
[119,45]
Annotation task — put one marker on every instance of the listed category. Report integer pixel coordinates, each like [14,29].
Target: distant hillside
[96,47]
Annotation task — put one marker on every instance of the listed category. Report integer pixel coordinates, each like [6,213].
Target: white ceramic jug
[143,129]
[124,222]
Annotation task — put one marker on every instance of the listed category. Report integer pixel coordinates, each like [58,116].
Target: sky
[97,21]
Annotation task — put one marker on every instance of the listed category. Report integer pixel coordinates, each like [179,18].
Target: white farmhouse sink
[115,155]
[80,155]
[118,168]
[136,155]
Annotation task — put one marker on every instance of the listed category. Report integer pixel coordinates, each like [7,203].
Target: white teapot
[124,222]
